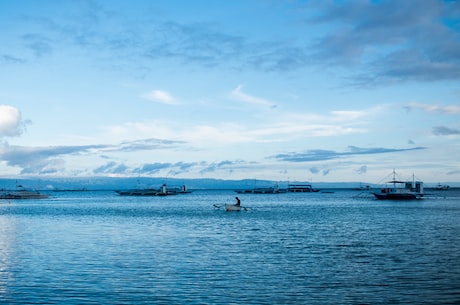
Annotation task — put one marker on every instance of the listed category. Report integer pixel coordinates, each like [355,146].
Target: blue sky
[321,91]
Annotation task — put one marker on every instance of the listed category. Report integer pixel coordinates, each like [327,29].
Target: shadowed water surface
[304,248]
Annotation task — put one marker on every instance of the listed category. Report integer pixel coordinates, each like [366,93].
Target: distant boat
[138,192]
[22,193]
[262,190]
[441,187]
[401,190]
[162,191]
[165,191]
[301,188]
[363,187]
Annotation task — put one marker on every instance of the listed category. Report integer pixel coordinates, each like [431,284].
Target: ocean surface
[339,247]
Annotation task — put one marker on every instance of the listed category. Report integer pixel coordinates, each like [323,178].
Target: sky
[320,91]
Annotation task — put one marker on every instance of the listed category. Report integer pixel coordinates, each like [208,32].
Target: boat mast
[394,178]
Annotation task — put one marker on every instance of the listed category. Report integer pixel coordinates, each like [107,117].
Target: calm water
[315,248]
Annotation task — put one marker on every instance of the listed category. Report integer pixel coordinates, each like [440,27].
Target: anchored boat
[22,193]
[162,191]
[401,190]
[301,188]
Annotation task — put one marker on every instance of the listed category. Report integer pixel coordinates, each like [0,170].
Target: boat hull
[145,192]
[397,196]
[232,208]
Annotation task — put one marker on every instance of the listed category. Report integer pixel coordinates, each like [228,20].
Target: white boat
[401,190]
[301,188]
[162,191]
[441,187]
[262,190]
[232,207]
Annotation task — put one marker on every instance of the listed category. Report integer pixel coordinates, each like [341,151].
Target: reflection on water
[306,248]
[7,228]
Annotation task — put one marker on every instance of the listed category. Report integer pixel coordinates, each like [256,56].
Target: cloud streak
[160,96]
[324,155]
[42,160]
[388,36]
[238,94]
[448,109]
[48,160]
[445,131]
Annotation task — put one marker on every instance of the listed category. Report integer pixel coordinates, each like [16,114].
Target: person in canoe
[238,202]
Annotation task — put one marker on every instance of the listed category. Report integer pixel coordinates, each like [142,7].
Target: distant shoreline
[321,190]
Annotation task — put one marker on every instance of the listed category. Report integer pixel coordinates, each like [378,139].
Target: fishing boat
[137,192]
[400,190]
[22,193]
[301,188]
[232,207]
[261,190]
[162,191]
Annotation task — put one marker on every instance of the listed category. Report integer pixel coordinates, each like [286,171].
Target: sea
[330,247]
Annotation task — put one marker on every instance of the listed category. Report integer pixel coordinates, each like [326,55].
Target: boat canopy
[396,181]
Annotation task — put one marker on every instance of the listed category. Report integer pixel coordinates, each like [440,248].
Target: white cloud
[161,96]
[139,130]
[250,99]
[449,109]
[345,115]
[11,124]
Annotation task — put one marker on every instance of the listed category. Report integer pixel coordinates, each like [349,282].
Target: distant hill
[108,183]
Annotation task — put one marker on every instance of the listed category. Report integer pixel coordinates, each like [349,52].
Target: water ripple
[99,248]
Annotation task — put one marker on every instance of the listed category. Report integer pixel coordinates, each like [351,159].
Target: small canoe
[232,207]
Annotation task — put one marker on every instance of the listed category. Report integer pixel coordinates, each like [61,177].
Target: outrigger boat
[162,191]
[401,190]
[22,193]
[301,188]
[138,192]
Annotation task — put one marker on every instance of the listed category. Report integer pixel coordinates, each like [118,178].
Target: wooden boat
[401,190]
[232,207]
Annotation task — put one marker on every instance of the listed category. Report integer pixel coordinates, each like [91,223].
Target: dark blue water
[311,248]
